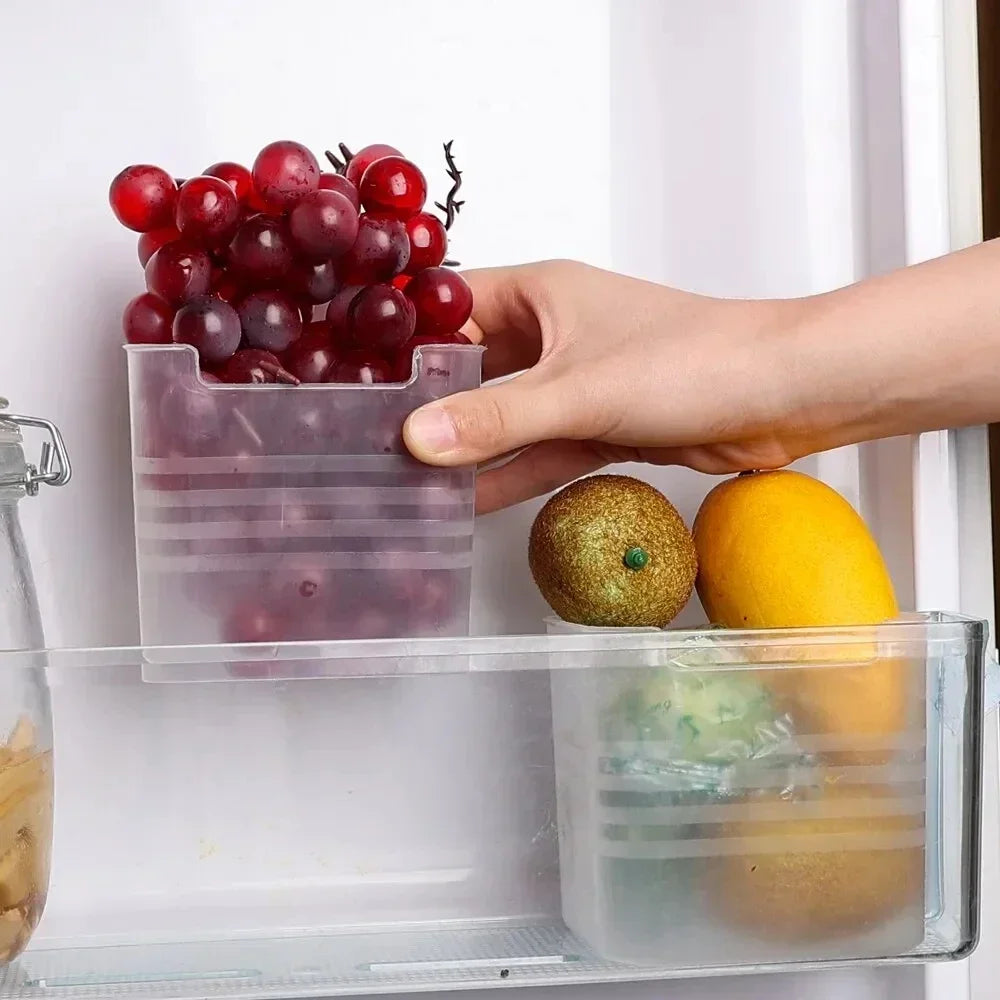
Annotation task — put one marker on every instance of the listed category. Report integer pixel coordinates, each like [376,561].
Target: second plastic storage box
[767,797]
[273,513]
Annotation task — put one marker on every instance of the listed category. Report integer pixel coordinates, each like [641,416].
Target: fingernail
[433,430]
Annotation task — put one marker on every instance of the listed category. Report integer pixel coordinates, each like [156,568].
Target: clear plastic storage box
[767,798]
[275,513]
[398,815]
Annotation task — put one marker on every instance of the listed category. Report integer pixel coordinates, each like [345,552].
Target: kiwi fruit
[612,551]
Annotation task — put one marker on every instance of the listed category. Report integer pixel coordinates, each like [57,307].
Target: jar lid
[15,473]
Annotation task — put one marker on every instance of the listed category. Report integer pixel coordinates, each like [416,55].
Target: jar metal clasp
[53,466]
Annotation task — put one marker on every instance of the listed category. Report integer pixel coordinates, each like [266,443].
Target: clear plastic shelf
[372,816]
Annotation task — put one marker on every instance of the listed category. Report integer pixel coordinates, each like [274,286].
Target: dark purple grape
[270,320]
[178,274]
[380,251]
[442,298]
[283,172]
[336,312]
[147,320]
[261,249]
[312,282]
[209,325]
[381,319]
[309,358]
[252,366]
[323,224]
[360,367]
[339,183]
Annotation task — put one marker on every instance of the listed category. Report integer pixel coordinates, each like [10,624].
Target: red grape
[209,325]
[228,287]
[402,363]
[428,241]
[256,367]
[283,172]
[323,224]
[261,248]
[381,319]
[442,299]
[270,320]
[207,212]
[380,252]
[401,281]
[310,282]
[336,311]
[150,242]
[340,184]
[365,157]
[235,175]
[393,186]
[310,356]
[147,320]
[142,198]
[178,274]
[358,366]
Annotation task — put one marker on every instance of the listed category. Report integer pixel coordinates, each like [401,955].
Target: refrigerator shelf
[449,958]
[335,818]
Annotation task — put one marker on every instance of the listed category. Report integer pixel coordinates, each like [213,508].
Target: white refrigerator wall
[734,148]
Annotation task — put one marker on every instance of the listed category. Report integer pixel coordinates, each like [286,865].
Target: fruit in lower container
[612,551]
[812,869]
[25,837]
[680,715]
[781,550]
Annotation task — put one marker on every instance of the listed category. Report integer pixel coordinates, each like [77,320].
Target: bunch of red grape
[284,273]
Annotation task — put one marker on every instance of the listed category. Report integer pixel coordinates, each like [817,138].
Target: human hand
[614,370]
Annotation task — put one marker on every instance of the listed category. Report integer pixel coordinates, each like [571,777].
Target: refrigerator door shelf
[256,855]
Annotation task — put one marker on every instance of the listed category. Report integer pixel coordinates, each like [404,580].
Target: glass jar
[26,793]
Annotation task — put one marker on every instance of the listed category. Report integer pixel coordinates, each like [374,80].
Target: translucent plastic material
[771,803]
[381,816]
[275,513]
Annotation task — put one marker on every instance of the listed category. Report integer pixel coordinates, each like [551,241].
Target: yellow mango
[782,550]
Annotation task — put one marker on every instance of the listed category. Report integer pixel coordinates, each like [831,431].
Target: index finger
[503,320]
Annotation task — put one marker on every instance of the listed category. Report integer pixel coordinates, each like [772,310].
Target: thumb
[481,424]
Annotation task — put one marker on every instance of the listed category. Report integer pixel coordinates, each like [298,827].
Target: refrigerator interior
[776,148]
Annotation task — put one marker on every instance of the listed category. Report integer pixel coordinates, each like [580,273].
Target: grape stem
[338,165]
[279,373]
[451,208]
